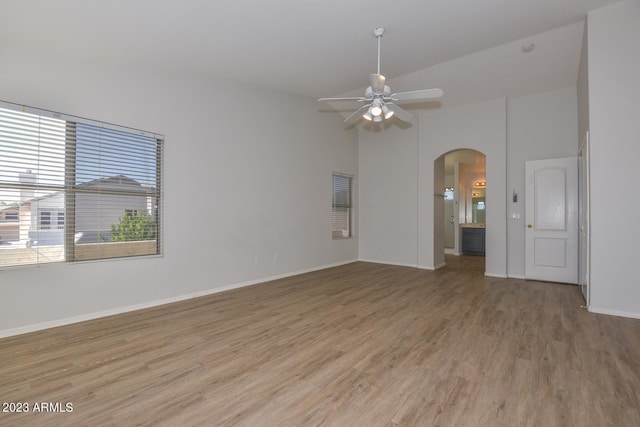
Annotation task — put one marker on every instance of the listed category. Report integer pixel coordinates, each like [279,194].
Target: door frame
[584,219]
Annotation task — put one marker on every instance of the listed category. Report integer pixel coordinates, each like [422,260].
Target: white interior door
[551,242]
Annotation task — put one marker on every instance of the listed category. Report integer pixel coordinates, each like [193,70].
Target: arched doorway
[460,205]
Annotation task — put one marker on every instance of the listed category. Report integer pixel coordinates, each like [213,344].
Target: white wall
[397,183]
[247,174]
[538,121]
[394,186]
[540,126]
[614,121]
[582,87]
[479,127]
[388,169]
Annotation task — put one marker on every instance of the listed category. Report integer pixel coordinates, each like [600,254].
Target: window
[84,190]
[51,220]
[342,211]
[448,193]
[45,220]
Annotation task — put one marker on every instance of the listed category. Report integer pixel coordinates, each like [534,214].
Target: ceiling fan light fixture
[377,119]
[367,115]
[376,107]
[388,113]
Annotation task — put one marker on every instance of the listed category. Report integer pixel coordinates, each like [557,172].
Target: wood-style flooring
[357,345]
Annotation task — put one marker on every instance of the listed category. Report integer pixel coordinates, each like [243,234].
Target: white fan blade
[348,98]
[417,95]
[355,116]
[400,113]
[377,83]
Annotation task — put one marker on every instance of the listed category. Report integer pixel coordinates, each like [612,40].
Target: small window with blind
[77,189]
[342,210]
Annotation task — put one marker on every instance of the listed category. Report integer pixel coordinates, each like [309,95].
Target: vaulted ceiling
[314,48]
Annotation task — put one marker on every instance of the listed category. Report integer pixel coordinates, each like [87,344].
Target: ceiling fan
[379,99]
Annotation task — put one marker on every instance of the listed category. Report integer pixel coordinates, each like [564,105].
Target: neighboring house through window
[9,226]
[72,183]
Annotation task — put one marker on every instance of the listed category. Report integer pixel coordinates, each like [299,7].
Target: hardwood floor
[357,345]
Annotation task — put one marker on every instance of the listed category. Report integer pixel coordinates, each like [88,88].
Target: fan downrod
[378,32]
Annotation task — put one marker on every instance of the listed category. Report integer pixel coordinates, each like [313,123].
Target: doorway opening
[461,215]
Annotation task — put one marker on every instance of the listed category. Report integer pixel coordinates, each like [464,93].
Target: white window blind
[84,190]
[341,216]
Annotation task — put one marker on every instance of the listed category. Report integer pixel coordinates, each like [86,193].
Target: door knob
[529,225]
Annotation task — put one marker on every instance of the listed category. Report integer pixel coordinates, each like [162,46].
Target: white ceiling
[312,48]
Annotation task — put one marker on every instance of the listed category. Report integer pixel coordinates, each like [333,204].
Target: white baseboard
[514,276]
[387,263]
[91,316]
[431,267]
[500,275]
[614,312]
